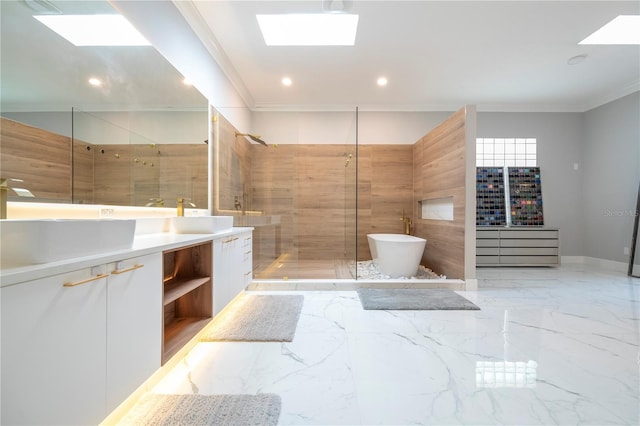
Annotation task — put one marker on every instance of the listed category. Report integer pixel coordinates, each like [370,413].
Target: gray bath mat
[258,318]
[192,410]
[413,299]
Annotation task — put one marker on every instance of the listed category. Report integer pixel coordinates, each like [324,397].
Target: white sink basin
[201,224]
[27,242]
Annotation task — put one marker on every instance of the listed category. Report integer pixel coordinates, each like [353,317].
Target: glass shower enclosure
[299,192]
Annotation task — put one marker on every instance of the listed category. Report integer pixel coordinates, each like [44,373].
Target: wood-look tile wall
[41,158]
[439,171]
[107,174]
[313,192]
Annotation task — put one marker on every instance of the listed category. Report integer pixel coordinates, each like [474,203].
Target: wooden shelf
[177,288]
[179,332]
[188,295]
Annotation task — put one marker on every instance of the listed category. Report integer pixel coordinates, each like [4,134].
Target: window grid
[506,152]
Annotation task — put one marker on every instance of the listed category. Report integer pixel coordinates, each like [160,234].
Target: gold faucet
[407,223]
[180,206]
[155,202]
[4,190]
[181,202]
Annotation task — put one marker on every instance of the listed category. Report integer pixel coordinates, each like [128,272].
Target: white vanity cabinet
[54,349]
[232,268]
[134,324]
[75,345]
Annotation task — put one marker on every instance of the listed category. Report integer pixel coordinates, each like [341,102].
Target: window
[506,152]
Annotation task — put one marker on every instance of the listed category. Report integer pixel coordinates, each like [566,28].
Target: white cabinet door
[134,325]
[54,349]
[246,260]
[221,268]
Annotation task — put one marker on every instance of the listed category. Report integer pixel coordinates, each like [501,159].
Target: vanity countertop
[142,245]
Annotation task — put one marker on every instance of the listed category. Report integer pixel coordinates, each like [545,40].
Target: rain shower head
[255,138]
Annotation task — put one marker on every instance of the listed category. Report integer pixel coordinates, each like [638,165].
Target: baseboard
[607,264]
[611,265]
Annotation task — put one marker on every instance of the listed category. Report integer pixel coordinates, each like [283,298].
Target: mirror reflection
[134,139]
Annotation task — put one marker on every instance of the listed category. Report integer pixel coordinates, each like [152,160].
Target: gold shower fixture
[255,138]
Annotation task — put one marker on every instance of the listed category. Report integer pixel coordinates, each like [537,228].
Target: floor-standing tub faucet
[407,223]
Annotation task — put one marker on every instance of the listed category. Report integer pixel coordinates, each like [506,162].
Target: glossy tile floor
[549,346]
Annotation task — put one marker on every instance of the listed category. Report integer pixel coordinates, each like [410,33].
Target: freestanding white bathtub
[396,255]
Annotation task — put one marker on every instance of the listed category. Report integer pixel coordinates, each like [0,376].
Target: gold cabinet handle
[122,271]
[247,252]
[247,273]
[88,280]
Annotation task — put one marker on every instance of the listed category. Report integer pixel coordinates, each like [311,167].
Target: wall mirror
[137,139]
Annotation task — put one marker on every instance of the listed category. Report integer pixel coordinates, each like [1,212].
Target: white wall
[611,177]
[104,128]
[339,127]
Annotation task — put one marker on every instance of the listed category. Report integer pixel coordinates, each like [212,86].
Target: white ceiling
[437,55]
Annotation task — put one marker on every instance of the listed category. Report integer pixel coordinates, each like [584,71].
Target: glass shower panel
[101,161]
[302,192]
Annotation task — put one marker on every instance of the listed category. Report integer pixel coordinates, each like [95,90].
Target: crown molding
[201,29]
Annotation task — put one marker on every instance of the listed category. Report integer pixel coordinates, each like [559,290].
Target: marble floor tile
[549,346]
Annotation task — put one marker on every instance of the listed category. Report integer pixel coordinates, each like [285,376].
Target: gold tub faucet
[407,223]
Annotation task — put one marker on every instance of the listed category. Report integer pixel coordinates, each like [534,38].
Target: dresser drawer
[528,251]
[519,242]
[488,233]
[530,233]
[529,260]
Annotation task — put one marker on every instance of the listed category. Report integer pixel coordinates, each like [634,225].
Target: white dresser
[517,246]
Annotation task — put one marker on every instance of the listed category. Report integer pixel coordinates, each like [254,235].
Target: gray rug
[413,299]
[258,318]
[192,410]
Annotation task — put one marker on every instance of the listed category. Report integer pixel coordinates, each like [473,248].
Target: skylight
[624,29]
[309,29]
[94,30]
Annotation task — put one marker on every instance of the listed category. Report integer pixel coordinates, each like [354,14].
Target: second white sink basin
[201,224]
[28,242]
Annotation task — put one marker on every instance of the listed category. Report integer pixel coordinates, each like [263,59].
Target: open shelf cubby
[187,295]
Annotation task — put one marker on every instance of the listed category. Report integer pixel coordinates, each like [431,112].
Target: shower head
[255,138]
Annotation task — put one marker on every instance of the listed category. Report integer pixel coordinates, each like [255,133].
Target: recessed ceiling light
[382,81]
[94,30]
[624,29]
[309,29]
[187,82]
[286,81]
[95,82]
